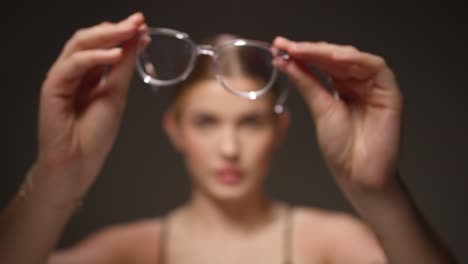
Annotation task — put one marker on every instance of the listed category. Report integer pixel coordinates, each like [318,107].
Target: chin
[230,193]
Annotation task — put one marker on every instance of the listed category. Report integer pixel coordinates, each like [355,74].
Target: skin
[216,130]
[358,134]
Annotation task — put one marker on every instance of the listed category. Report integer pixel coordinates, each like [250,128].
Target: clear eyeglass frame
[213,52]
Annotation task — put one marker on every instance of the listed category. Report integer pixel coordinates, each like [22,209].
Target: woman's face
[227,141]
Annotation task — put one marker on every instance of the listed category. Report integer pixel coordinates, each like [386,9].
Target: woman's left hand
[358,128]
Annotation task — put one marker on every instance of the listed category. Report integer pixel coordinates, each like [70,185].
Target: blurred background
[424,43]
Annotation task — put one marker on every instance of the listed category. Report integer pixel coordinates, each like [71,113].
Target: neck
[242,215]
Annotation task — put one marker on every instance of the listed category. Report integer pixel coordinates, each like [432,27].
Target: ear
[172,129]
[282,127]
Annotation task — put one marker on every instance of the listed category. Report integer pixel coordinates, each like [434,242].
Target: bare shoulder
[328,222]
[340,237]
[134,242]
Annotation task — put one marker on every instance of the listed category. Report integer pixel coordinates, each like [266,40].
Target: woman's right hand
[79,113]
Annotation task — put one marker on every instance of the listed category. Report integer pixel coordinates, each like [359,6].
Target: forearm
[32,223]
[402,231]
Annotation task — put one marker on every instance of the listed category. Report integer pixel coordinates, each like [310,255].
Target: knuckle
[343,53]
[350,48]
[74,59]
[296,47]
[324,46]
[301,47]
[52,72]
[380,62]
[79,34]
[78,59]
[105,24]
[78,37]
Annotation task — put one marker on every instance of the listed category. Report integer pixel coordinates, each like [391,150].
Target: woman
[227,143]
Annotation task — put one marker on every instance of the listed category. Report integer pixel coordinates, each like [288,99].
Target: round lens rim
[199,50]
[252,95]
[147,78]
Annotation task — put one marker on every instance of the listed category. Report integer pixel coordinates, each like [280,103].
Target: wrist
[380,205]
[371,181]
[52,187]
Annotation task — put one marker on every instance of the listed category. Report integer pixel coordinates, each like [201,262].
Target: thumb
[312,90]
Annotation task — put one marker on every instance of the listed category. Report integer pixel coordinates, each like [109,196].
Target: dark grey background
[424,43]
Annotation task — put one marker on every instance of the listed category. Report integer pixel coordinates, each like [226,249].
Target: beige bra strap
[163,240]
[288,236]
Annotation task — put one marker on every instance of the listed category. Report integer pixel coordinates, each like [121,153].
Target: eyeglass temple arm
[281,101]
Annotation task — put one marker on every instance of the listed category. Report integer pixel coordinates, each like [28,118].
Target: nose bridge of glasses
[205,50]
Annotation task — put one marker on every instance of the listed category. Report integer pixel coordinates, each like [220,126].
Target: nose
[229,144]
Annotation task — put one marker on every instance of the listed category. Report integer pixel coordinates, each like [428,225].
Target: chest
[225,251]
[275,247]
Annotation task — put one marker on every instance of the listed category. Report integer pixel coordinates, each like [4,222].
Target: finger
[104,35]
[89,88]
[318,98]
[144,37]
[341,62]
[121,73]
[71,71]
[118,76]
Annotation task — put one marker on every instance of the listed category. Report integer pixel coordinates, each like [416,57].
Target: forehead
[210,96]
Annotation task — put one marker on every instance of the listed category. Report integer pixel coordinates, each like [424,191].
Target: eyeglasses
[171,57]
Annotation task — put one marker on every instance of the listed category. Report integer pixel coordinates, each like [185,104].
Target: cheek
[196,150]
[258,148]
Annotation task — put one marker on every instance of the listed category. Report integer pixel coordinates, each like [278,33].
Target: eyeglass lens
[250,62]
[168,57]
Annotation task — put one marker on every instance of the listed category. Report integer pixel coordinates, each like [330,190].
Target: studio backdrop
[425,44]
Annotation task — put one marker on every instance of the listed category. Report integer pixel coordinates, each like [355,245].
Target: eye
[253,121]
[204,121]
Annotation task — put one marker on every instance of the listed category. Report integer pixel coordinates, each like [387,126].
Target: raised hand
[80,111]
[358,128]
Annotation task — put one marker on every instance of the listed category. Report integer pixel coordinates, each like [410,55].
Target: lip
[229,175]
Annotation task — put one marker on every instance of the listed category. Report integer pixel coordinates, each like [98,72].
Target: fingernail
[274,50]
[281,39]
[115,51]
[126,26]
[135,16]
[143,29]
[279,62]
[146,39]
